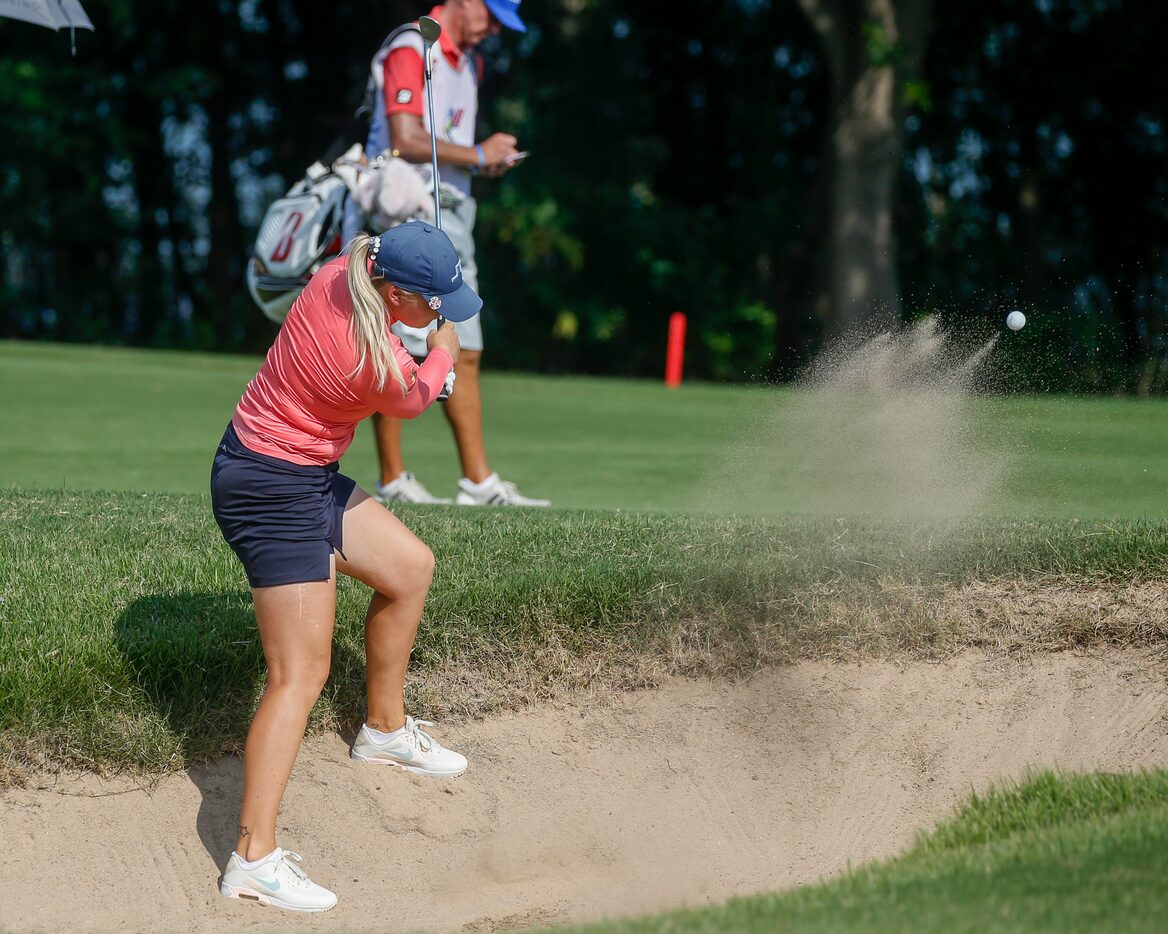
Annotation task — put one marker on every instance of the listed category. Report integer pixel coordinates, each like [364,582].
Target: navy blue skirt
[283,520]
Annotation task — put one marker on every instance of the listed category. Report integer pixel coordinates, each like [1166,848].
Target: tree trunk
[872,48]
[864,285]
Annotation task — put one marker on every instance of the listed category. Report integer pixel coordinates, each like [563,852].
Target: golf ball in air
[1015,320]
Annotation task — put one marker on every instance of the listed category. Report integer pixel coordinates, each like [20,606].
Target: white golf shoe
[406,489]
[410,748]
[275,880]
[493,492]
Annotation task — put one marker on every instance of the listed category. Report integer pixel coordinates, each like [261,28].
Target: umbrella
[56,14]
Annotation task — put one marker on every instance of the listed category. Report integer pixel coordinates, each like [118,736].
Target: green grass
[82,418]
[129,638]
[128,633]
[1052,853]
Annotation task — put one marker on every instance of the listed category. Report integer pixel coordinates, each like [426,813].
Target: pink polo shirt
[303,405]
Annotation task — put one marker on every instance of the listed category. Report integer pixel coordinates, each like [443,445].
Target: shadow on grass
[198,659]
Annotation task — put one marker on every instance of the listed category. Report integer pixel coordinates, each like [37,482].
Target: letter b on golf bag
[300,232]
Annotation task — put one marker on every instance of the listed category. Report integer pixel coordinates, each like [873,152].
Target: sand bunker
[679,796]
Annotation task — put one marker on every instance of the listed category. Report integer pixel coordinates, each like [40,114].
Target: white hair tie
[374,247]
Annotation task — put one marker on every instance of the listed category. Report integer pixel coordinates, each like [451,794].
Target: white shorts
[458,224]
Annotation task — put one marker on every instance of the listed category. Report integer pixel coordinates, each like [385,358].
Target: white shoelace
[411,487]
[407,481]
[510,491]
[426,742]
[299,876]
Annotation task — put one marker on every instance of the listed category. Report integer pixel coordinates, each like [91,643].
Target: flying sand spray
[884,425]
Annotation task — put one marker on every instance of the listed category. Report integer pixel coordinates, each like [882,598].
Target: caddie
[399,124]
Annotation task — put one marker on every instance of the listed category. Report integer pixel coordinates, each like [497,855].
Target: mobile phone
[516,158]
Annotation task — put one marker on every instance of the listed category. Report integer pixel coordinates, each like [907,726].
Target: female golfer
[294,521]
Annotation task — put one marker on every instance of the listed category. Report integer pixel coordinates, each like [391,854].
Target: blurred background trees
[777,169]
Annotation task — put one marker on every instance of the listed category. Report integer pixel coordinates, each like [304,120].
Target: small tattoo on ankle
[374,726]
[243,832]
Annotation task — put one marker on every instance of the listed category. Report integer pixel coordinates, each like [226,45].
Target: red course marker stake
[675,350]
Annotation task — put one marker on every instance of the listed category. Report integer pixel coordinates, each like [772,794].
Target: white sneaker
[411,749]
[277,881]
[406,489]
[493,492]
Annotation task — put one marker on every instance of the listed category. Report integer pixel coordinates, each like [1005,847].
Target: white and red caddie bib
[400,75]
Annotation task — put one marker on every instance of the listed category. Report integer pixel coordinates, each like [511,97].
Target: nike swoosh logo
[270,886]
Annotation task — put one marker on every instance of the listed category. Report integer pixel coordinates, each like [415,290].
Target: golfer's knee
[421,571]
[412,572]
[302,683]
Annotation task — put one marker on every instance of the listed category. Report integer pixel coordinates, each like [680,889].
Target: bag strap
[369,98]
[357,126]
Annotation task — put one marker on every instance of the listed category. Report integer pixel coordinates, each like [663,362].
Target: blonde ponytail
[370,330]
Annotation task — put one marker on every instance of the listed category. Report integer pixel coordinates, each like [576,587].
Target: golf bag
[300,233]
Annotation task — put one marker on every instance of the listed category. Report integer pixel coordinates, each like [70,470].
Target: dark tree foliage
[674,167]
[1040,181]
[681,160]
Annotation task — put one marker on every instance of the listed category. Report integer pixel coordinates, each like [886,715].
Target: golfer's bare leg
[387,436]
[464,411]
[296,627]
[387,556]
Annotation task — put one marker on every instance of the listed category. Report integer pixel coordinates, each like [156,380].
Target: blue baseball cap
[507,13]
[419,257]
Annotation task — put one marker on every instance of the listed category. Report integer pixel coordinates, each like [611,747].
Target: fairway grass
[130,642]
[129,634]
[1052,853]
[85,418]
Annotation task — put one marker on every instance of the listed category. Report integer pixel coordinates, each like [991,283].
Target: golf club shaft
[433,137]
[431,32]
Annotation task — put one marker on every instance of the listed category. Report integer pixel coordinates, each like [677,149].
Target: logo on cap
[418,258]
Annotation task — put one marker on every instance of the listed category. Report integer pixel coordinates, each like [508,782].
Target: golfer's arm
[425,380]
[412,142]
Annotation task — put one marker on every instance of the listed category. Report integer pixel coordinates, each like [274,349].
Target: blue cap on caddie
[507,13]
[420,258]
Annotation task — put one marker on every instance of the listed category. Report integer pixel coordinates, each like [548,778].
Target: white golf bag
[300,232]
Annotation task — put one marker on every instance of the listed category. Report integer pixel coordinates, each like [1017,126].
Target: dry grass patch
[130,640]
[999,617]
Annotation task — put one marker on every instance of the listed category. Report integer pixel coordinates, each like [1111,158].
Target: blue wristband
[482,156]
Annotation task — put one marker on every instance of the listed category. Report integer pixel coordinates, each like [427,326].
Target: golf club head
[431,29]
